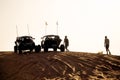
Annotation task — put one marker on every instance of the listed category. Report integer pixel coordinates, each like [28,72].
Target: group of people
[106,44]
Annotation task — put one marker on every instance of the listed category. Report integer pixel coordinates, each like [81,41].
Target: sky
[85,22]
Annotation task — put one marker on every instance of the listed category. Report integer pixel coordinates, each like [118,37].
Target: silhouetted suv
[25,43]
[52,41]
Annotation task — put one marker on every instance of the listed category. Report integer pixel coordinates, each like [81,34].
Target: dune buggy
[25,43]
[52,41]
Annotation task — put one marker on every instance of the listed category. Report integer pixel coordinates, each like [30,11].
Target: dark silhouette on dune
[66,42]
[106,44]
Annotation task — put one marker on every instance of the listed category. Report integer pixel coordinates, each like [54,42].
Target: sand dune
[59,66]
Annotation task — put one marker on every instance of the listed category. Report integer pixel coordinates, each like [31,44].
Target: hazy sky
[85,22]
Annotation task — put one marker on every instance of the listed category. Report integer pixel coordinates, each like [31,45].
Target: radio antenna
[17,30]
[28,29]
[57,27]
[46,24]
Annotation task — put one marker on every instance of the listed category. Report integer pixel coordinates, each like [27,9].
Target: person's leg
[109,52]
[107,49]
[67,49]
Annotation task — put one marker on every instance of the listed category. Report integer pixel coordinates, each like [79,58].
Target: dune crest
[59,66]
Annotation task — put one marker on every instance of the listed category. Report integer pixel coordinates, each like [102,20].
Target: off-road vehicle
[25,43]
[52,41]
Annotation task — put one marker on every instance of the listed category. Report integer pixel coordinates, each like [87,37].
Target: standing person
[106,44]
[66,42]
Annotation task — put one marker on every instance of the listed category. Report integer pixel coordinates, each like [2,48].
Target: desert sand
[59,66]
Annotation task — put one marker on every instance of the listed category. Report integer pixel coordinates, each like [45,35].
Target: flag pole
[57,27]
[28,29]
[46,24]
[17,30]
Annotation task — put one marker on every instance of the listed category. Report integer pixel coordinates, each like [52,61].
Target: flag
[57,23]
[46,23]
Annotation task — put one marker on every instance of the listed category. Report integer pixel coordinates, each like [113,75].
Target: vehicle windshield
[24,39]
[50,37]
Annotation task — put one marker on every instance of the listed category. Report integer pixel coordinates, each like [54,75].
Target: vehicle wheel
[37,48]
[62,48]
[20,51]
[45,49]
[31,50]
[55,49]
[15,49]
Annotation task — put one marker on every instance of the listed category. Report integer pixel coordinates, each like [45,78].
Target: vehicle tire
[45,49]
[31,50]
[37,48]
[15,49]
[20,51]
[62,48]
[55,49]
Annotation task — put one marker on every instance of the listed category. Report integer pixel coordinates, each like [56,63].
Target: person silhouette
[66,43]
[106,45]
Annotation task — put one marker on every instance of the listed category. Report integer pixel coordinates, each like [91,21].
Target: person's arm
[68,42]
[104,43]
